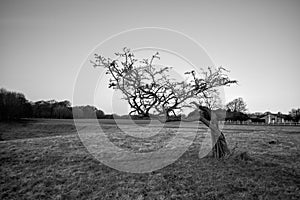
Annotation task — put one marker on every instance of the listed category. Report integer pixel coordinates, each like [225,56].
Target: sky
[45,45]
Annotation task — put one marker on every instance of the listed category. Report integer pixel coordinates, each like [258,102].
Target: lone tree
[237,105]
[150,90]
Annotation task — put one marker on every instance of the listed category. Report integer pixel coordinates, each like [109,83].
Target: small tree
[237,105]
[295,114]
[150,90]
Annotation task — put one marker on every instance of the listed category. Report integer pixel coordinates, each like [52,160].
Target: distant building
[271,118]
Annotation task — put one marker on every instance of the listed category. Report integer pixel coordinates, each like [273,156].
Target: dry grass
[52,163]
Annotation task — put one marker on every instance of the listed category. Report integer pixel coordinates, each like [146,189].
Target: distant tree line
[14,105]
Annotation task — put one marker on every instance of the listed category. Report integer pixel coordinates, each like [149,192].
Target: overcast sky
[44,43]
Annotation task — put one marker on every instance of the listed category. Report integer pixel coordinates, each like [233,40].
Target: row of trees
[14,105]
[51,109]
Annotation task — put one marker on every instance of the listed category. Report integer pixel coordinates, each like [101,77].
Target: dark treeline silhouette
[14,105]
[226,115]
[235,116]
[88,112]
[51,109]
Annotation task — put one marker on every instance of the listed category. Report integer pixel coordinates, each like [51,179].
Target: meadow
[45,159]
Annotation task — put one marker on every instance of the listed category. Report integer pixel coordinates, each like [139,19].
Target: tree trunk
[220,148]
[167,116]
[209,119]
[146,115]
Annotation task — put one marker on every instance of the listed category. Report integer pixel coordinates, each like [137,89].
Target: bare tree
[142,85]
[151,90]
[237,105]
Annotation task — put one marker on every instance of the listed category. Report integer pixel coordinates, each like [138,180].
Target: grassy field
[45,159]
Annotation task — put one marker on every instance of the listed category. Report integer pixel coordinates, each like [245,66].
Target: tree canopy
[237,105]
[149,89]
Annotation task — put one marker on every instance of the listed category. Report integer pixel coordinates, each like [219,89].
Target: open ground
[45,159]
